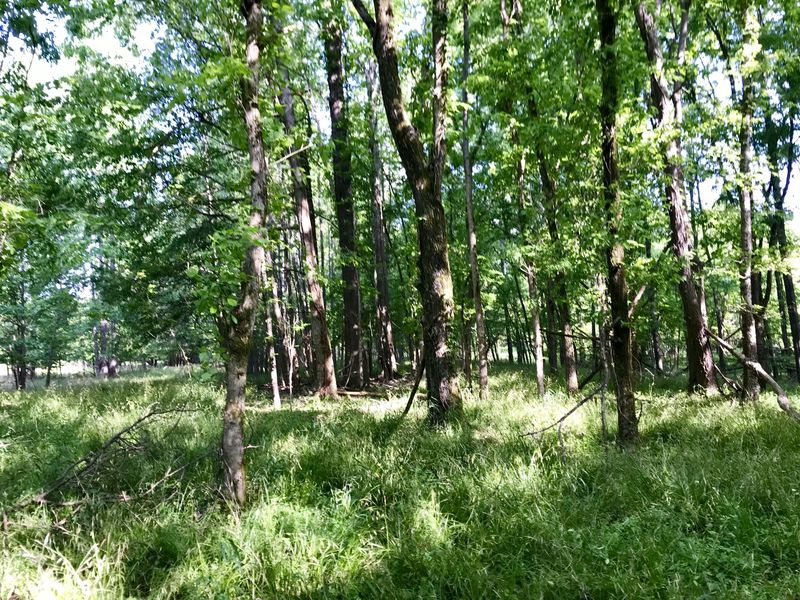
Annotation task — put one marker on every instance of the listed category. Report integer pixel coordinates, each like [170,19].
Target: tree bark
[236,325]
[552,325]
[343,199]
[628,428]
[718,312]
[655,337]
[786,292]
[320,337]
[273,343]
[569,358]
[506,324]
[538,355]
[425,179]
[786,344]
[668,100]
[472,240]
[386,351]
[750,385]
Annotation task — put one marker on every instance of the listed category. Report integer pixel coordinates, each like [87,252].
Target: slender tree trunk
[425,179]
[236,325]
[343,197]
[509,340]
[569,358]
[760,301]
[786,292]
[466,340]
[552,325]
[750,384]
[718,311]
[472,240]
[272,343]
[320,337]
[655,338]
[668,100]
[794,321]
[787,346]
[386,351]
[628,429]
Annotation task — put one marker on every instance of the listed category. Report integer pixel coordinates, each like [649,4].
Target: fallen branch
[635,301]
[92,460]
[417,379]
[588,378]
[730,383]
[576,334]
[755,366]
[596,391]
[362,393]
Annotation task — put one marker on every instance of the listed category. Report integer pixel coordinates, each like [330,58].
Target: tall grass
[347,502]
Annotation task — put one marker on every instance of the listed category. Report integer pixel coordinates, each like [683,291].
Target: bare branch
[755,366]
[365,16]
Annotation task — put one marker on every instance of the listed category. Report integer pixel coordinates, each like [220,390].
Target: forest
[399,299]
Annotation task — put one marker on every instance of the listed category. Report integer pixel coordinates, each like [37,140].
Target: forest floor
[348,502]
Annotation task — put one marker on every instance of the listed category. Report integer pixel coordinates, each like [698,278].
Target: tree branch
[365,16]
[755,366]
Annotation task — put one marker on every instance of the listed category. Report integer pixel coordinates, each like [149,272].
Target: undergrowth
[348,502]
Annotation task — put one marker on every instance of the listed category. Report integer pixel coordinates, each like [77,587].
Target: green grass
[345,502]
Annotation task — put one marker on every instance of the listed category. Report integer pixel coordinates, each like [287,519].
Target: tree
[304,208]
[627,421]
[425,179]
[667,98]
[343,199]
[386,352]
[236,327]
[472,241]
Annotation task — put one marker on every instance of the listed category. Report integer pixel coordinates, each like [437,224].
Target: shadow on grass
[349,504]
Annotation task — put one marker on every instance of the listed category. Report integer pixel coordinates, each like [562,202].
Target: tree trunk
[655,338]
[552,325]
[425,179]
[787,346]
[720,321]
[794,321]
[320,337]
[750,385]
[466,340]
[668,100]
[236,325]
[760,301]
[786,292]
[538,355]
[472,240]
[386,351]
[509,340]
[343,199]
[628,428]
[569,358]
[272,343]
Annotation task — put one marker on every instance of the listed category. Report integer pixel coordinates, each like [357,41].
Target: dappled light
[345,501]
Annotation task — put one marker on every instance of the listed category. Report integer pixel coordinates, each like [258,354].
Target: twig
[636,300]
[91,460]
[588,378]
[596,391]
[732,384]
[291,154]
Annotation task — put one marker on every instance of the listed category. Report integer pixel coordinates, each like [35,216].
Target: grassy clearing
[342,505]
